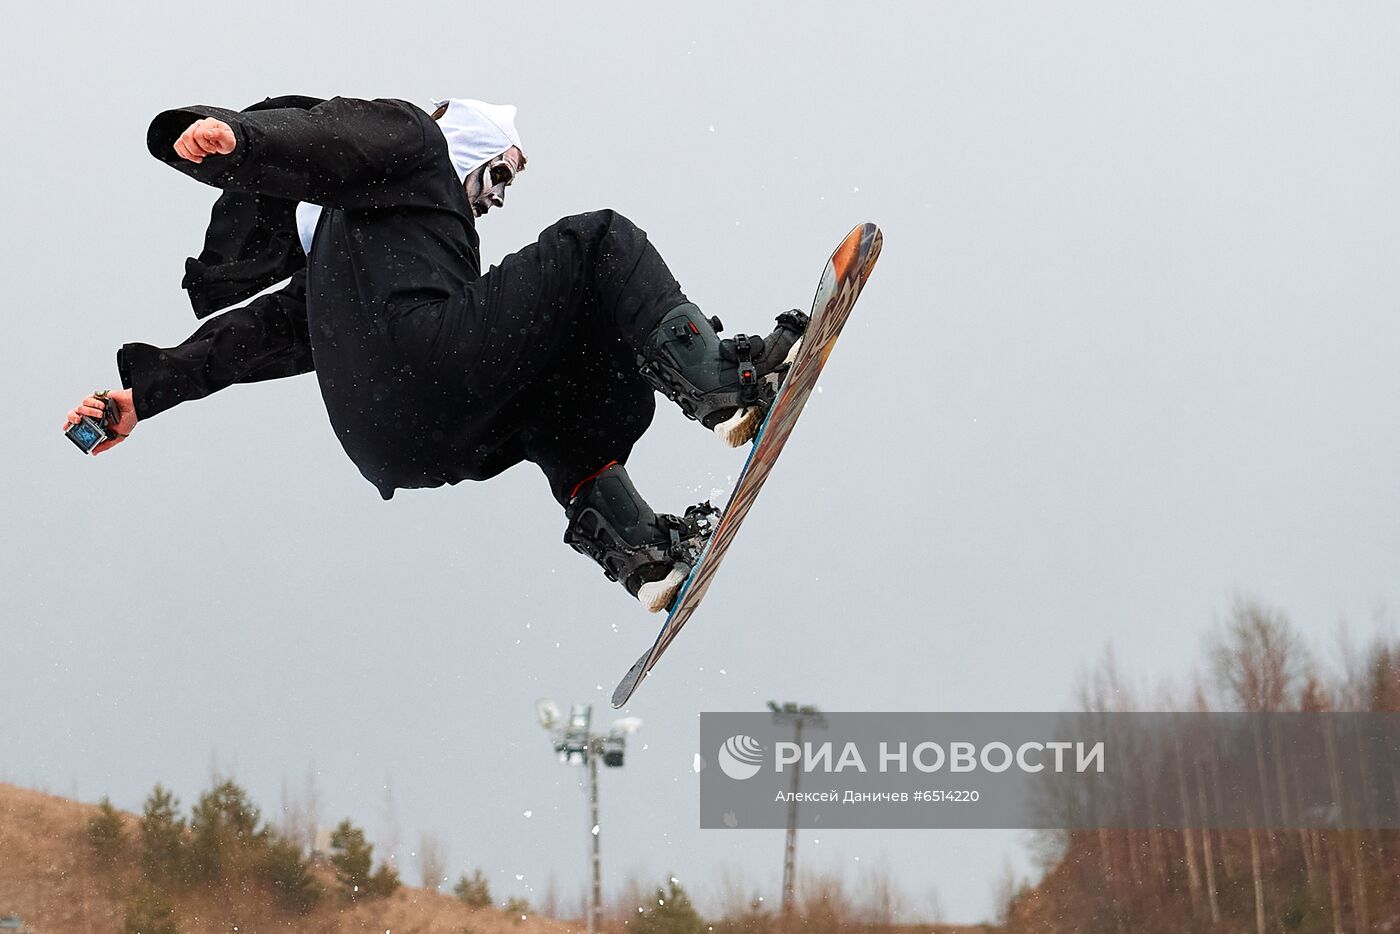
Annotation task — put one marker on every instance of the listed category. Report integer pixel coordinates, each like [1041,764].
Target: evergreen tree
[517,908]
[384,882]
[149,912]
[353,858]
[289,876]
[106,832]
[224,831]
[672,913]
[162,837]
[475,891]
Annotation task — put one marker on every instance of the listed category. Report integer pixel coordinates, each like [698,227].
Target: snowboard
[840,286]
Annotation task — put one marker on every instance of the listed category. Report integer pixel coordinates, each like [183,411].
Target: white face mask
[486,186]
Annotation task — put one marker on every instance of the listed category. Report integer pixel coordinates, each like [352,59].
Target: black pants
[550,338]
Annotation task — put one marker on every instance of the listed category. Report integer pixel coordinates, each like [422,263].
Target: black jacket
[396,234]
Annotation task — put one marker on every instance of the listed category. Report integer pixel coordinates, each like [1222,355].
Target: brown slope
[50,878]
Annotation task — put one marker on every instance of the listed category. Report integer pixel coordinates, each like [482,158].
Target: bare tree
[549,901]
[1259,663]
[634,897]
[933,910]
[880,902]
[1188,841]
[289,823]
[393,839]
[1258,660]
[733,893]
[432,861]
[1199,704]
[301,811]
[1259,916]
[824,903]
[1004,897]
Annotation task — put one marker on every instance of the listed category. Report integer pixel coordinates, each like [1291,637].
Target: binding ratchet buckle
[748,372]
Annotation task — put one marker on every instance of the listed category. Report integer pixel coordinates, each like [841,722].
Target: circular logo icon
[740,757]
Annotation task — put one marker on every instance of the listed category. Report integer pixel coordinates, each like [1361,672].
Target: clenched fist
[207,137]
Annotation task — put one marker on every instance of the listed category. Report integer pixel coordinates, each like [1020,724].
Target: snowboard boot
[649,554]
[727,385]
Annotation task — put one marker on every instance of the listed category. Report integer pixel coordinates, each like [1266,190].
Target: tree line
[1326,880]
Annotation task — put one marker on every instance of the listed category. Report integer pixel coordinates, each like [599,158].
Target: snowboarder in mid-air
[433,372]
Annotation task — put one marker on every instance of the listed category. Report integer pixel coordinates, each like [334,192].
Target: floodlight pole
[595,906]
[797,716]
[790,847]
[576,743]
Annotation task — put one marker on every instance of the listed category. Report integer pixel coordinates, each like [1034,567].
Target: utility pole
[798,716]
[577,746]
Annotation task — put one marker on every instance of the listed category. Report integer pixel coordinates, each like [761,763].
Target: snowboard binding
[651,555]
[728,384]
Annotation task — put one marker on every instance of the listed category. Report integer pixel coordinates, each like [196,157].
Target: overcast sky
[1130,351]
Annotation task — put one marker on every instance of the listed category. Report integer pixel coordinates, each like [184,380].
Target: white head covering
[476,132]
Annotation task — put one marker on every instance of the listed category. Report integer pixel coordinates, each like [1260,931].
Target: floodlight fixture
[548,713]
[627,725]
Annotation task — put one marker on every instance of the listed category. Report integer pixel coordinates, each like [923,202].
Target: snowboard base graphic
[837,292]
